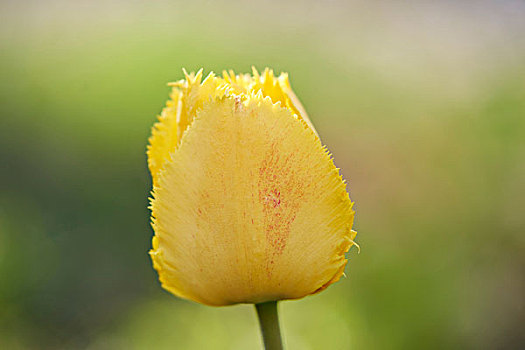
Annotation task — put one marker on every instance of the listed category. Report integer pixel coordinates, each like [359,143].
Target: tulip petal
[164,135]
[279,90]
[186,98]
[250,207]
[189,95]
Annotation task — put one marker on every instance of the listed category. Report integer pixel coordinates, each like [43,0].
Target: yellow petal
[165,134]
[279,90]
[292,101]
[189,95]
[186,99]
[250,207]
[241,83]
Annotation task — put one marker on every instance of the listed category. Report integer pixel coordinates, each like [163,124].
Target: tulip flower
[248,206]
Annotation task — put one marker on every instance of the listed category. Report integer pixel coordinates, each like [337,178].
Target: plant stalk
[269,323]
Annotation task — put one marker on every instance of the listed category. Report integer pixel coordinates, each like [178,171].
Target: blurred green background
[422,104]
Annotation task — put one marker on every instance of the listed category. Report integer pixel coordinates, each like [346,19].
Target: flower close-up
[149,204]
[247,204]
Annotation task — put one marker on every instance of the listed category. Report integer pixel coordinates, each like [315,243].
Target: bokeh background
[422,104]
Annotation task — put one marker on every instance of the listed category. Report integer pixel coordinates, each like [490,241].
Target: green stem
[269,322]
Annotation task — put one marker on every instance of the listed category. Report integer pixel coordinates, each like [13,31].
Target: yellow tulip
[247,205]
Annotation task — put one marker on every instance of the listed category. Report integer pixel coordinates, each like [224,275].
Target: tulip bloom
[247,205]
